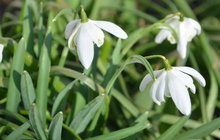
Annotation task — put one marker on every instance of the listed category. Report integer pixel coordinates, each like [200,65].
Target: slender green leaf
[43,77]
[13,95]
[63,12]
[13,115]
[182,4]
[213,97]
[36,122]
[55,129]
[3,129]
[134,37]
[82,119]
[121,134]
[201,131]
[61,96]
[77,75]
[130,60]
[18,132]
[126,103]
[28,32]
[27,90]
[173,130]
[116,57]
[171,119]
[71,131]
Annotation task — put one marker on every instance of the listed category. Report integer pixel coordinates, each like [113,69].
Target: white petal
[179,94]
[147,79]
[185,79]
[161,87]
[111,28]
[194,24]
[182,43]
[193,73]
[162,35]
[72,36]
[70,27]
[166,90]
[174,27]
[190,30]
[96,34]
[85,46]
[1,52]
[153,91]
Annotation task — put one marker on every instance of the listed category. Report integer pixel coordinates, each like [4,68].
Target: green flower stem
[131,60]
[166,62]
[83,15]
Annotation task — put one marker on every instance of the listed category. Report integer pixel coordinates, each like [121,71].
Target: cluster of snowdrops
[171,81]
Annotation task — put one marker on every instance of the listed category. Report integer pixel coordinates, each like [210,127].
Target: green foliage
[81,119]
[27,90]
[55,129]
[45,93]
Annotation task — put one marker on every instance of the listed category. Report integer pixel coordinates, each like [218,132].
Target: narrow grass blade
[116,57]
[13,95]
[213,97]
[182,4]
[201,131]
[43,78]
[61,96]
[130,60]
[63,12]
[18,132]
[36,122]
[28,32]
[173,130]
[77,75]
[125,102]
[27,90]
[15,116]
[121,134]
[55,129]
[134,37]
[82,119]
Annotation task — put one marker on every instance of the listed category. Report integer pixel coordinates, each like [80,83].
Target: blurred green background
[123,114]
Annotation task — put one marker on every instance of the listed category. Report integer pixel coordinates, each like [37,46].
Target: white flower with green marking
[1,52]
[85,33]
[185,28]
[173,83]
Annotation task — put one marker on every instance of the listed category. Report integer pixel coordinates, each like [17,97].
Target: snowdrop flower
[1,51]
[185,28]
[173,83]
[85,33]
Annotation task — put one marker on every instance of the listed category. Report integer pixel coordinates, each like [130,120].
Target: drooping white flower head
[173,83]
[186,29]
[86,33]
[1,52]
